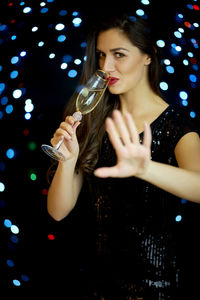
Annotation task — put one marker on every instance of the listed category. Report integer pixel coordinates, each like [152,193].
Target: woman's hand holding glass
[66,135]
[87,99]
[133,157]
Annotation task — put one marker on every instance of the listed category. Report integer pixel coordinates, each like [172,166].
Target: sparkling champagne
[88,99]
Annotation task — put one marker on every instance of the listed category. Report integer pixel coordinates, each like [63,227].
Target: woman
[139,156]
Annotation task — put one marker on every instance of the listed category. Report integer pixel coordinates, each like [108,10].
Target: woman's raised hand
[132,156]
[67,133]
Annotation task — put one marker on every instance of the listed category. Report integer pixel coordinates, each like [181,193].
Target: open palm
[132,156]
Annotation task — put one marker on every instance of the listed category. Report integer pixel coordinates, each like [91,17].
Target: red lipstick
[112,80]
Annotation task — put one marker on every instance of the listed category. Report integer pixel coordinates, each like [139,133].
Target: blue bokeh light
[7,223]
[13,37]
[140,12]
[61,38]
[40,44]
[4,100]
[27,116]
[77,22]
[2,87]
[2,187]
[14,74]
[63,12]
[170,69]
[178,218]
[16,282]
[9,109]
[44,10]
[72,73]
[27,10]
[67,58]
[160,43]
[10,263]
[10,153]
[14,60]
[183,95]
[193,78]
[192,114]
[164,86]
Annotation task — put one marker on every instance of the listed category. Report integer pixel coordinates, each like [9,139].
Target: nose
[108,64]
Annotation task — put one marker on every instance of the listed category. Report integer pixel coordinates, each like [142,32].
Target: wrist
[145,173]
[68,164]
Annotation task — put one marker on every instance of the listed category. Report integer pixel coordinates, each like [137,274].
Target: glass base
[53,153]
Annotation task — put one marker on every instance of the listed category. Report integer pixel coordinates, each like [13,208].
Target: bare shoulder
[187,151]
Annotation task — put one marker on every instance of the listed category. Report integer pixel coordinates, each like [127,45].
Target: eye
[100,54]
[119,54]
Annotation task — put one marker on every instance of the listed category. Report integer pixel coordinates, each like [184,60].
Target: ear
[147,60]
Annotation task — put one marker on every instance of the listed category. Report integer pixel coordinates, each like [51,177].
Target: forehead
[113,38]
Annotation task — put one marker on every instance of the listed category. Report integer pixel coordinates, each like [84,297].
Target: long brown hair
[91,130]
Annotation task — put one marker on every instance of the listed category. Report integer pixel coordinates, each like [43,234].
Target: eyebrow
[115,49]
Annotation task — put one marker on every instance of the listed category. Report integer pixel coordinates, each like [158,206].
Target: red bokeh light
[26,132]
[44,192]
[187,24]
[51,237]
[196,7]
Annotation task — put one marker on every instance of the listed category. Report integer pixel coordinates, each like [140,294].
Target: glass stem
[58,145]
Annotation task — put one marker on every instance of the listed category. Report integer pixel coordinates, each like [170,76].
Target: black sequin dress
[136,230]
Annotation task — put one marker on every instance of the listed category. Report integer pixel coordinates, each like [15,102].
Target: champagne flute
[87,99]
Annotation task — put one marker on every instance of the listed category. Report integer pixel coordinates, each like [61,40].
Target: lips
[113,80]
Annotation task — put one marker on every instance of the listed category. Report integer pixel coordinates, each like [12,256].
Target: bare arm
[64,190]
[133,159]
[66,184]
[177,181]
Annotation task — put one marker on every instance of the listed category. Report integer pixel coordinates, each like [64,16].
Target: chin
[114,90]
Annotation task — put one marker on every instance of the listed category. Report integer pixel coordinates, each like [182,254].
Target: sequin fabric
[136,232]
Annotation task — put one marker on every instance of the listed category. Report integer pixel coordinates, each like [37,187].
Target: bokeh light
[52,41]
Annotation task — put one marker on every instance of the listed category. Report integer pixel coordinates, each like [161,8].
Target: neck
[140,101]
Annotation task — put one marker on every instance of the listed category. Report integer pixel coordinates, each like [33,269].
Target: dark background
[40,262]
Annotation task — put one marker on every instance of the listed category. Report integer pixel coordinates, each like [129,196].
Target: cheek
[133,72]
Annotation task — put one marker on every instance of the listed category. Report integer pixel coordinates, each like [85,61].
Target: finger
[71,120]
[107,172]
[76,125]
[147,135]
[54,142]
[113,135]
[62,133]
[68,128]
[132,128]
[121,126]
